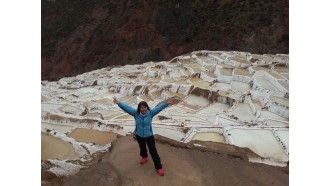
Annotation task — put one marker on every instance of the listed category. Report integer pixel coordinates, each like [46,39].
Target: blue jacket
[143,123]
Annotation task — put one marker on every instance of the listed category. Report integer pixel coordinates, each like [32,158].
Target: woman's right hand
[115,101]
[170,101]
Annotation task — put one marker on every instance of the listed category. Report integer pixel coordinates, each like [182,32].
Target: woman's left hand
[115,101]
[170,101]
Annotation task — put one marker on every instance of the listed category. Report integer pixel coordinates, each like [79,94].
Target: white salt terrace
[285,84]
[104,101]
[262,142]
[243,112]
[189,63]
[202,84]
[257,104]
[196,70]
[197,100]
[104,113]
[206,60]
[175,110]
[222,65]
[182,82]
[51,106]
[191,120]
[240,59]
[281,70]
[145,78]
[232,111]
[209,68]
[210,74]
[269,115]
[170,133]
[266,84]
[186,72]
[284,137]
[155,94]
[146,98]
[113,116]
[215,108]
[282,101]
[44,98]
[209,136]
[275,75]
[274,123]
[226,71]
[194,79]
[130,100]
[58,128]
[242,72]
[240,86]
[167,80]
[88,96]
[224,87]
[154,69]
[225,121]
[153,80]
[257,68]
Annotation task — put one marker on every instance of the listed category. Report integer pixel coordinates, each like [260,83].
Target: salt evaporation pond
[262,142]
[243,112]
[197,100]
[266,84]
[215,108]
[279,100]
[276,123]
[55,148]
[240,86]
[71,109]
[169,133]
[93,136]
[269,115]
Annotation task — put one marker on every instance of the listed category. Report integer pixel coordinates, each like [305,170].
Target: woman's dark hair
[142,103]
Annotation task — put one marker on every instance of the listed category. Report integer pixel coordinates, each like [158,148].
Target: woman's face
[143,109]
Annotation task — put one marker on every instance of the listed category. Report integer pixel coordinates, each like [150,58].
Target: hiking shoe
[160,172]
[143,160]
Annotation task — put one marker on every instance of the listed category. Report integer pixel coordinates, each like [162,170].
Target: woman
[144,135]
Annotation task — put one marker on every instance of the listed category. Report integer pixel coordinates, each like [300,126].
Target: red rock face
[80,36]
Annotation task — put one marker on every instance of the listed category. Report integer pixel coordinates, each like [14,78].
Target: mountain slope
[80,36]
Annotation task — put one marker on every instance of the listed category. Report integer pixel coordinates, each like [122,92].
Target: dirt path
[182,167]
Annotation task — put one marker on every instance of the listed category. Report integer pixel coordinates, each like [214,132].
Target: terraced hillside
[237,100]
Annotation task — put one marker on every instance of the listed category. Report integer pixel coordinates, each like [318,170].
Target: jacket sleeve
[130,110]
[157,109]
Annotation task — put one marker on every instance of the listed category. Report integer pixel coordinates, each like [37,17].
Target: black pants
[152,149]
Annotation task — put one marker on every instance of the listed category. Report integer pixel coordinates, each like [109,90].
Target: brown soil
[182,166]
[160,117]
